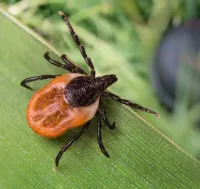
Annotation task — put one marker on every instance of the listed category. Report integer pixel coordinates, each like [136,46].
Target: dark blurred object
[176,68]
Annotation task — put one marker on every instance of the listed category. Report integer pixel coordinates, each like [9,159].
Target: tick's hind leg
[128,103]
[35,78]
[75,68]
[99,135]
[66,146]
[104,117]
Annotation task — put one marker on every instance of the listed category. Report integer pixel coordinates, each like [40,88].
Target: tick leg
[58,64]
[72,65]
[128,103]
[104,117]
[66,146]
[77,41]
[35,78]
[99,135]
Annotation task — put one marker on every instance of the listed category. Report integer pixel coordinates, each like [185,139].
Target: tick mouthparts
[105,81]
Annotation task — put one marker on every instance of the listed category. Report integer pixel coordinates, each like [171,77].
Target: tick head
[105,81]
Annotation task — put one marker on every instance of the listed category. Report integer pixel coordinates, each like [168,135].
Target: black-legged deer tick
[72,100]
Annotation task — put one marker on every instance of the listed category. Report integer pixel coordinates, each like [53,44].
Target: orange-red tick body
[50,115]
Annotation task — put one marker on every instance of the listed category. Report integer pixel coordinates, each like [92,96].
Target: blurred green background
[121,37]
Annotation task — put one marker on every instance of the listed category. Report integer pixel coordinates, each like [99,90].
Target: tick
[72,100]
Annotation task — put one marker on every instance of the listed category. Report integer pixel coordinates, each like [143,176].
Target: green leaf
[141,157]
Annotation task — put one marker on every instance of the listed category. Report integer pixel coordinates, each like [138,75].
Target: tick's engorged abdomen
[49,114]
